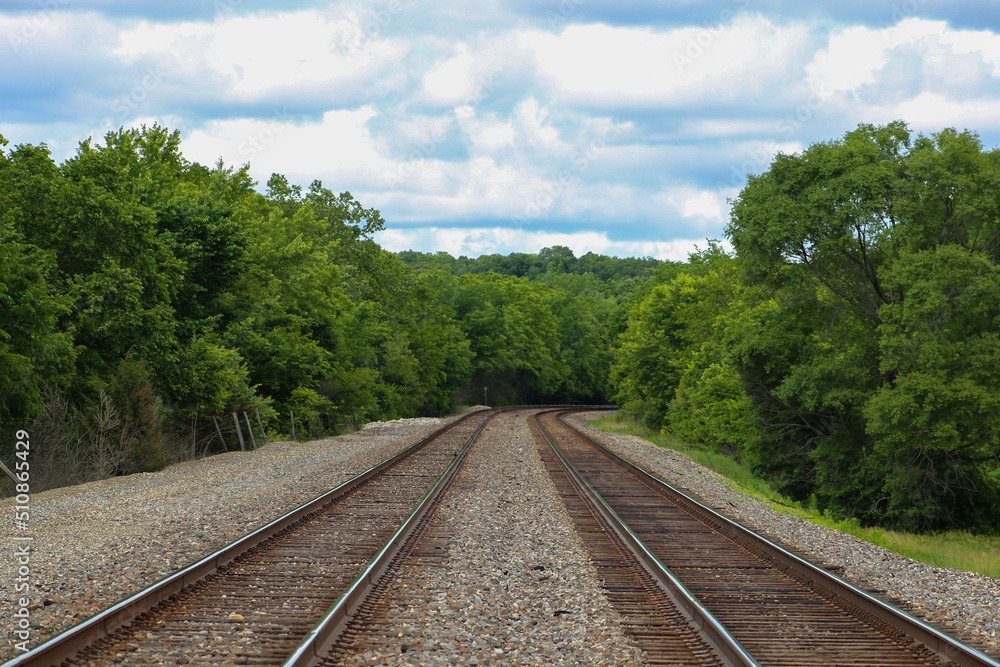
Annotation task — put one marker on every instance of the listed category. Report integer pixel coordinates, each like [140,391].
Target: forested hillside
[141,295]
[848,348]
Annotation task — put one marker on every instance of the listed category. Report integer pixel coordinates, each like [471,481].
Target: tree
[865,352]
[832,213]
[513,336]
[34,352]
[673,338]
[937,424]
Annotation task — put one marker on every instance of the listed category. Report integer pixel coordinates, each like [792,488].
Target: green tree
[513,335]
[937,424]
[34,352]
[863,353]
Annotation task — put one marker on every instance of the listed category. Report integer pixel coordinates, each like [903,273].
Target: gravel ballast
[966,603]
[517,586]
[96,543]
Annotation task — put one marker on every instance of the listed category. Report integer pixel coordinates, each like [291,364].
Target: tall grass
[954,549]
[958,549]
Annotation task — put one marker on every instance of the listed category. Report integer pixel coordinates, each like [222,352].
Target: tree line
[850,348]
[846,347]
[144,298]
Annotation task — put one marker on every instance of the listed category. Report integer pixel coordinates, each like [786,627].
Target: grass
[957,549]
[953,549]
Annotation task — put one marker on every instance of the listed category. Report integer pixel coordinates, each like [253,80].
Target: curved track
[783,610]
[650,616]
[691,587]
[254,601]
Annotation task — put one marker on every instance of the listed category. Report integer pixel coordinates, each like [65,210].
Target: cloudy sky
[614,126]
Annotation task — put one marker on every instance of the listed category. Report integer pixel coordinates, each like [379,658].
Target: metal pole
[484,396]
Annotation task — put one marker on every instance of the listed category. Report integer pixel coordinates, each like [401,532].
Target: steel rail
[56,649]
[935,640]
[318,641]
[701,619]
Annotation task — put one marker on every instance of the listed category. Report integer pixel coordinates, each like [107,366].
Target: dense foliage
[145,298]
[850,349]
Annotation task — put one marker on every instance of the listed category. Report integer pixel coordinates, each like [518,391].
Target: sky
[617,127]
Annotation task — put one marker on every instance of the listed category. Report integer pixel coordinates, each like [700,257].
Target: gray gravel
[517,586]
[96,543]
[965,602]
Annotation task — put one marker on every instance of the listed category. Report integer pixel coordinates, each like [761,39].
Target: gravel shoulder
[964,603]
[96,543]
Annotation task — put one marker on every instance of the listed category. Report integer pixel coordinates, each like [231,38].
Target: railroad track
[306,588]
[650,615]
[664,631]
[281,593]
[780,609]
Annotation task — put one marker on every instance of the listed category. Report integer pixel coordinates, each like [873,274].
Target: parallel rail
[755,616]
[739,625]
[668,623]
[317,643]
[99,627]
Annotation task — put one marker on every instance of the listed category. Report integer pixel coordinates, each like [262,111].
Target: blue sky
[617,127]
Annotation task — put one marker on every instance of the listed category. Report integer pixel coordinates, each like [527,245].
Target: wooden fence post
[194,433]
[243,446]
[292,412]
[253,438]
[267,440]
[218,431]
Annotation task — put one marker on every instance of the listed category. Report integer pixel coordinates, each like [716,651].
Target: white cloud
[982,43]
[932,112]
[338,148]
[504,240]
[431,122]
[41,33]
[857,56]
[709,206]
[487,133]
[451,80]
[530,119]
[615,66]
[254,56]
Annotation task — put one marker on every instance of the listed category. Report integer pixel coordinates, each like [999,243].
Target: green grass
[954,549]
[957,549]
